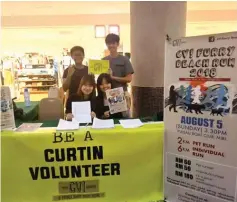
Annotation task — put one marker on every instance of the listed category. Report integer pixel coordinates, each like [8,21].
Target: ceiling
[66,23]
[212,5]
[63,8]
[32,8]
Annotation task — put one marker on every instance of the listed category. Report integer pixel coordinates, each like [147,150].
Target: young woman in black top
[104,82]
[85,92]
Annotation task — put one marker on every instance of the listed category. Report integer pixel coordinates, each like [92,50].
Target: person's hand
[71,71]
[111,73]
[106,114]
[128,101]
[93,115]
[69,117]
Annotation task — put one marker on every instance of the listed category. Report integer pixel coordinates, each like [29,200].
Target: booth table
[108,165]
[54,123]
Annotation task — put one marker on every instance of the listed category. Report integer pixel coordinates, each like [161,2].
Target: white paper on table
[75,121]
[81,111]
[67,125]
[131,123]
[29,127]
[101,124]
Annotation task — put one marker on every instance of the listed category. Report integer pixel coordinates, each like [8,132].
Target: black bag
[18,112]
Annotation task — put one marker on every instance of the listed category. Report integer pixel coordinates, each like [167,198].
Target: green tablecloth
[30,113]
[54,123]
[31,116]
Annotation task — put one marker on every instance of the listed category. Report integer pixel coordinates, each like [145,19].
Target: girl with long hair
[85,92]
[104,82]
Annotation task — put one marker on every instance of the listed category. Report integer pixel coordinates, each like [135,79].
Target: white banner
[201,119]
[7,113]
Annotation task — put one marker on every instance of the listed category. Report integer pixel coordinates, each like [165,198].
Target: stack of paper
[82,111]
[67,125]
[29,127]
[131,123]
[100,124]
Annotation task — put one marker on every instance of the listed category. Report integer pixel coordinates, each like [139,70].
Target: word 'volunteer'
[74,171]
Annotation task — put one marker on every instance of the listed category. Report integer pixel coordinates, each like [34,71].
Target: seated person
[104,82]
[85,92]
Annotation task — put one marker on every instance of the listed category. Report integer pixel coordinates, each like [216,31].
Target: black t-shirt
[76,78]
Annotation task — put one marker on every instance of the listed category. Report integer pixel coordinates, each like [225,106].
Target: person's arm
[69,105]
[99,108]
[128,100]
[128,72]
[67,77]
[66,83]
[126,79]
[94,108]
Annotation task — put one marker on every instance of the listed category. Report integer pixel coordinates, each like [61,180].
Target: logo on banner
[177,42]
[211,39]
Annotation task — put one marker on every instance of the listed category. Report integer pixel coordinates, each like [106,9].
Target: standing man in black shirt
[73,74]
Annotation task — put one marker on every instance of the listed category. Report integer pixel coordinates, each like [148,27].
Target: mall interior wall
[48,27]
[52,40]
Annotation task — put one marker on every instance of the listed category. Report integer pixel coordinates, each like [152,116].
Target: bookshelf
[38,80]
